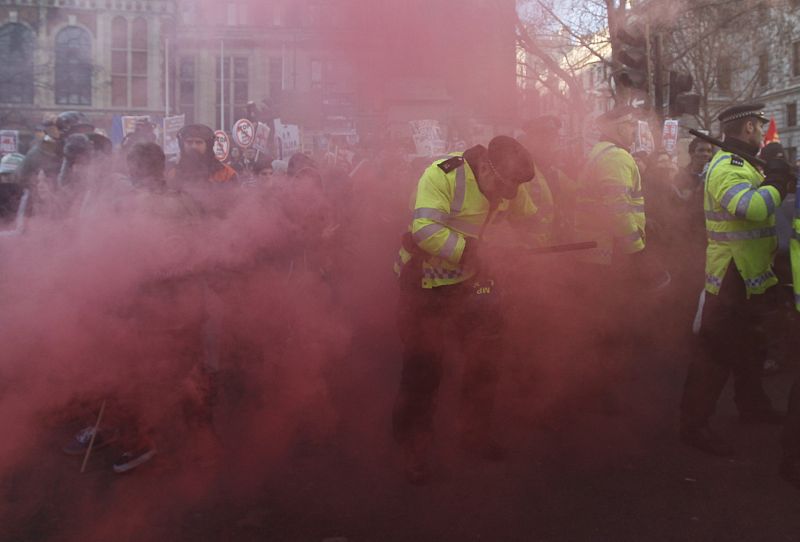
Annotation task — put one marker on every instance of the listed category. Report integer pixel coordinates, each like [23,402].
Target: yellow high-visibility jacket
[609,206]
[794,250]
[449,209]
[740,223]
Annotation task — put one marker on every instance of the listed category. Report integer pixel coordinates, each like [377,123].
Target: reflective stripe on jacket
[448,210]
[609,206]
[740,223]
[794,250]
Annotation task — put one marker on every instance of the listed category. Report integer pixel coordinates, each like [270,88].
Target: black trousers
[730,342]
[435,324]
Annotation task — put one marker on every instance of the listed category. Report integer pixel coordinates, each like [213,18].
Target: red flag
[772,133]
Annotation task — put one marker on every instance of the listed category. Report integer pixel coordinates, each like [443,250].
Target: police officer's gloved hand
[778,173]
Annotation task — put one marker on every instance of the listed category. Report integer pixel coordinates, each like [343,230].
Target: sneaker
[132,459]
[80,441]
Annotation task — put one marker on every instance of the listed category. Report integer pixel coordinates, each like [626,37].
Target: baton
[725,147]
[569,247]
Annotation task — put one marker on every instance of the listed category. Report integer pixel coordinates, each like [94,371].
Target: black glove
[778,173]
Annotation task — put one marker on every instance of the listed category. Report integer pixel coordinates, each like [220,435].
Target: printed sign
[172,125]
[428,137]
[9,141]
[244,133]
[222,145]
[670,136]
[261,141]
[287,139]
[129,123]
[644,139]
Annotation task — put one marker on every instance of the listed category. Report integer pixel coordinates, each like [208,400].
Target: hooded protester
[197,162]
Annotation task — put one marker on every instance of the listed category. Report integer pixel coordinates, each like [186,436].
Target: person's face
[702,154]
[493,186]
[250,154]
[754,131]
[195,145]
[53,131]
[626,132]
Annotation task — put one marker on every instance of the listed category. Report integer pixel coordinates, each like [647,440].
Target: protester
[148,194]
[9,165]
[197,163]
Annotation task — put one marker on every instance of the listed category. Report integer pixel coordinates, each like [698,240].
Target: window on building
[73,68]
[791,114]
[236,83]
[763,69]
[128,63]
[275,77]
[724,76]
[796,59]
[186,83]
[16,63]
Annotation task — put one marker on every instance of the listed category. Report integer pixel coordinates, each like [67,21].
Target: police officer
[610,201]
[740,203]
[443,292]
[47,155]
[790,466]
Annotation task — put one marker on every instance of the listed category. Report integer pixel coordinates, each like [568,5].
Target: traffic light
[681,103]
[631,52]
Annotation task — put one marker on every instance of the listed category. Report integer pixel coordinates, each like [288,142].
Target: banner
[244,133]
[9,141]
[428,137]
[172,125]
[669,136]
[261,141]
[222,145]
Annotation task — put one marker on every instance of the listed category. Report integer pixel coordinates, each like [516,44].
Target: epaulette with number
[737,161]
[451,164]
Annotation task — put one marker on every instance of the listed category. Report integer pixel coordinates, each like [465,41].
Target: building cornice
[155,7]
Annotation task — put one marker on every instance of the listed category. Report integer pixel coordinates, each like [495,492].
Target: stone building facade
[104,57]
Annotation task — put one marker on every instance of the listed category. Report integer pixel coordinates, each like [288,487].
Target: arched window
[16,63]
[128,63]
[139,63]
[119,62]
[73,67]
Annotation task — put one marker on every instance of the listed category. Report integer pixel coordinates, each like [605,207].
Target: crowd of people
[73,174]
[622,216]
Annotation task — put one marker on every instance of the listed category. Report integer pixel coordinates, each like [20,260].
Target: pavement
[583,475]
